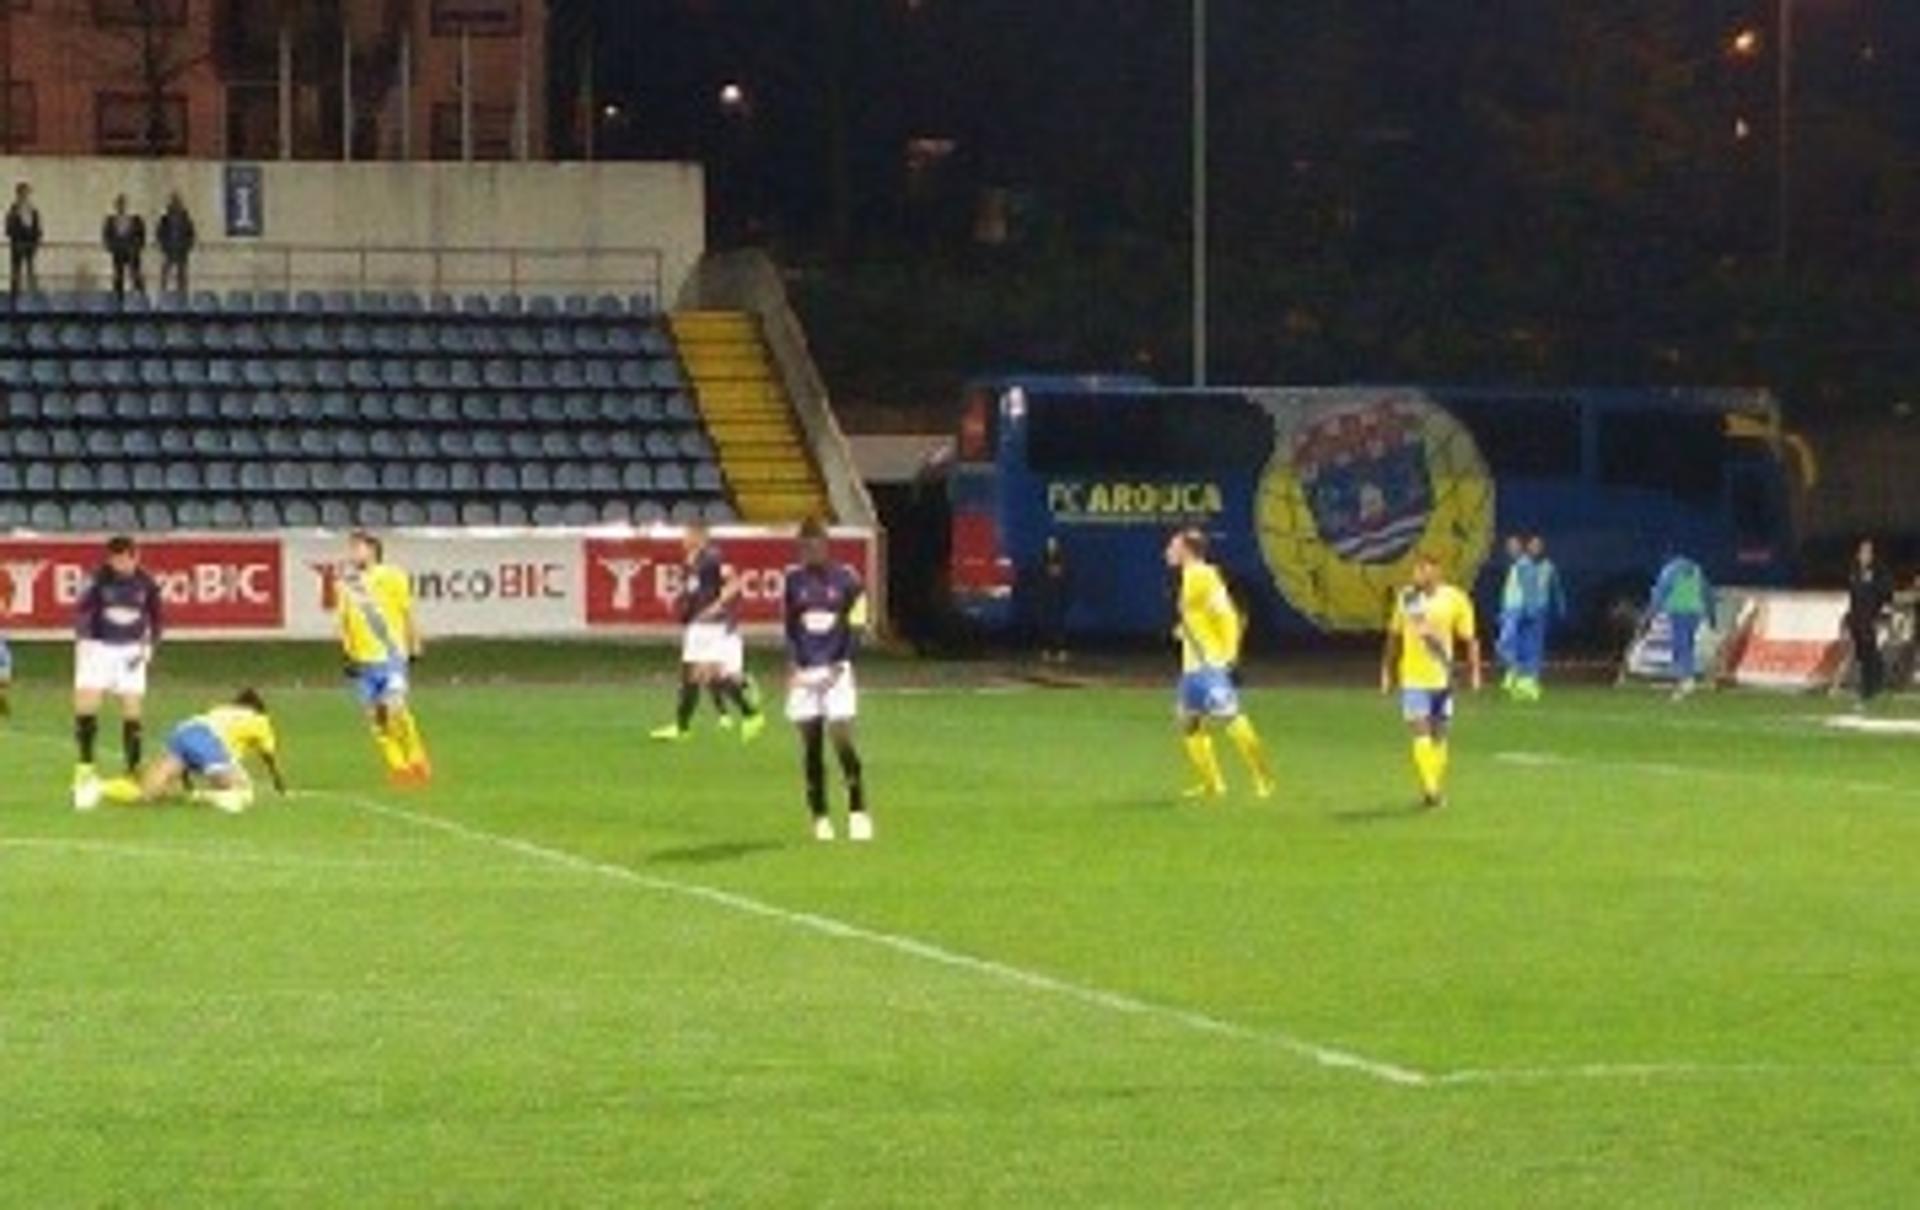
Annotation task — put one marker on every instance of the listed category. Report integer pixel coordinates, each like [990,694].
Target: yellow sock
[390,750]
[1247,741]
[122,790]
[1427,763]
[1205,762]
[1442,757]
[406,732]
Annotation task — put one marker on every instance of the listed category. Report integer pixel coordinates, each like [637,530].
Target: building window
[128,123]
[481,18]
[139,12]
[492,132]
[20,122]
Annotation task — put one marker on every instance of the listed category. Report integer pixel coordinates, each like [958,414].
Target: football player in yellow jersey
[380,638]
[1431,622]
[1209,634]
[212,746]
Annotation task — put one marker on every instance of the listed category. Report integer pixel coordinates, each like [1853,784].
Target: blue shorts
[1426,705]
[199,748]
[376,684]
[6,661]
[1208,693]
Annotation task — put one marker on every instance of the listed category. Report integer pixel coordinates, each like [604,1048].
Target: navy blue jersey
[820,604]
[706,579]
[120,609]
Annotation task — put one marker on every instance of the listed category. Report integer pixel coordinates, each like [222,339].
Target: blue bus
[1317,499]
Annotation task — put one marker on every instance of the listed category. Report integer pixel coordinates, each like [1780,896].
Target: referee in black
[1869,592]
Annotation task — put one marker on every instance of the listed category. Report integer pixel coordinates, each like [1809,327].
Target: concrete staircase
[750,418]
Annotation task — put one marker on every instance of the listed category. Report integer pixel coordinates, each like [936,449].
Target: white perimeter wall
[600,215]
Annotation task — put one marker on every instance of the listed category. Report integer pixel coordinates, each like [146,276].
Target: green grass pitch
[1652,955]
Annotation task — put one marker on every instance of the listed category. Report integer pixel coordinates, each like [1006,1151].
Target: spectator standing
[23,241]
[1869,592]
[1056,597]
[175,234]
[125,237]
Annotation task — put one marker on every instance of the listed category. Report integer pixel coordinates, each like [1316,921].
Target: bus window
[1528,438]
[1680,453]
[1161,435]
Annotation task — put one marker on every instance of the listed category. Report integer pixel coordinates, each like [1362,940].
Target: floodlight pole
[1783,139]
[1199,200]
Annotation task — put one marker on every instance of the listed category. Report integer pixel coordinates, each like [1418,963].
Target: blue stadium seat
[48,516]
[219,476]
[385,443]
[156,515]
[476,512]
[509,304]
[291,477]
[443,304]
[338,302]
[335,514]
[463,477]
[315,338]
[419,444]
[67,443]
[272,301]
[228,514]
[476,304]
[431,477]
[373,407]
[463,376]
[244,443]
[309,302]
[677,408]
[396,478]
[149,478]
[512,512]
[570,478]
[204,302]
[542,306]
[40,478]
[557,443]
[373,514]
[616,512]
[326,477]
[534,477]
[193,514]
[31,443]
[488,443]
[408,513]
[432,374]
[355,339]
[300,514]
[624,445]
[263,514]
[501,374]
[706,478]
[103,441]
[637,478]
[241,302]
[548,515]
[359,477]
[348,443]
[334,407]
[649,512]
[578,513]
[671,478]
[556,340]
[256,479]
[500,478]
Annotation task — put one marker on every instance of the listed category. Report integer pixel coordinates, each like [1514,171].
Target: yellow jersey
[376,614]
[1209,623]
[244,732]
[1431,626]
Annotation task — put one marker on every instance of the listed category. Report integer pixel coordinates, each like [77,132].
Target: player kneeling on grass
[1431,620]
[212,748]
[825,603]
[1210,631]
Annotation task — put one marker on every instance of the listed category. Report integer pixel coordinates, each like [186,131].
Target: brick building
[270,79]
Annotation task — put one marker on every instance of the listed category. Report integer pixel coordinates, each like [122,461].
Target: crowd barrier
[468,583]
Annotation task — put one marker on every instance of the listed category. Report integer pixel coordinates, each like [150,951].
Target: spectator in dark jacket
[1869,593]
[176,236]
[1055,585]
[23,240]
[125,237]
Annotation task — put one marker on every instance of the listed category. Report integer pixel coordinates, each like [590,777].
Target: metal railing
[77,267]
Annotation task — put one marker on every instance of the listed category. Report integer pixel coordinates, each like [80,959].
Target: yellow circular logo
[1361,482]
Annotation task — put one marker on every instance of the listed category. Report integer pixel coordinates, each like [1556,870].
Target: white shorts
[714,643]
[119,669]
[818,694]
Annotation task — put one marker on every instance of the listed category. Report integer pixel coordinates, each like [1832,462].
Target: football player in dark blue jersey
[825,606]
[712,654]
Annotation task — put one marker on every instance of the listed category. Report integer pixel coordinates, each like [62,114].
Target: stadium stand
[749,416]
[260,410]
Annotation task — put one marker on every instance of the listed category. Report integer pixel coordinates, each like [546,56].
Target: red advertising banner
[637,581]
[207,584]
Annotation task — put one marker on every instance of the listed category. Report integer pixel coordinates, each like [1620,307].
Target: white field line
[1382,1071]
[216,854]
[1118,1002]
[1673,769]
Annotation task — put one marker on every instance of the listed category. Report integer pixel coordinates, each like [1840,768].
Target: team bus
[1317,499]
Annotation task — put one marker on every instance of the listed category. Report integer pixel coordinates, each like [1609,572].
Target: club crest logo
[1358,484]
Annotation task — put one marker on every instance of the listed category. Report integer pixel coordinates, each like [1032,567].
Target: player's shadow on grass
[713,854]
[1397,813]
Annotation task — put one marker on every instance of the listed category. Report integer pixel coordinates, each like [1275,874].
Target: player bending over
[1431,621]
[825,603]
[212,747]
[1210,631]
[381,639]
[711,652]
